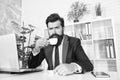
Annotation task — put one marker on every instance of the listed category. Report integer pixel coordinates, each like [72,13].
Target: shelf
[86,41]
[102,39]
[102,29]
[97,40]
[104,48]
[104,59]
[106,65]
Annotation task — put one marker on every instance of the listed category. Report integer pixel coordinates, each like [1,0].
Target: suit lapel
[65,48]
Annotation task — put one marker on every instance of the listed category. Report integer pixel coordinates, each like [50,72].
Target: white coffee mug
[53,41]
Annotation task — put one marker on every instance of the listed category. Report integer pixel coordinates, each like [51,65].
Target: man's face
[55,28]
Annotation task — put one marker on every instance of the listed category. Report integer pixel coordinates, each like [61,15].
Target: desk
[48,75]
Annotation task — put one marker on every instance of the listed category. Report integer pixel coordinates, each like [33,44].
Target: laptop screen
[8,53]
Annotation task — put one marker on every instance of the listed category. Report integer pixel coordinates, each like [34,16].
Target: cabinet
[97,39]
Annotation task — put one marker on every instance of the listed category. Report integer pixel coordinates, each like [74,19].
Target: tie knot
[56,46]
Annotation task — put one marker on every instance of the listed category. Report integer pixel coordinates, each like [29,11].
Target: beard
[59,37]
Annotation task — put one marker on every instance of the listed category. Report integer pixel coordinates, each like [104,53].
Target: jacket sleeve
[81,58]
[35,61]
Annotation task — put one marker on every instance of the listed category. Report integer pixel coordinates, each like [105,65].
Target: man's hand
[65,69]
[40,43]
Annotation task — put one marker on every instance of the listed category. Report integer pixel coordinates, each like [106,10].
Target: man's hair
[54,17]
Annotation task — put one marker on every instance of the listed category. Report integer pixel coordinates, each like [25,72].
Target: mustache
[55,36]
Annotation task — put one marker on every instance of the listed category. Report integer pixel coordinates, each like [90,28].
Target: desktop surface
[48,75]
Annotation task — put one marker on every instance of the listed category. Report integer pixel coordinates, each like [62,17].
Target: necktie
[56,56]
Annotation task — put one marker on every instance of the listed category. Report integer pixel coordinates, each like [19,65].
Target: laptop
[9,61]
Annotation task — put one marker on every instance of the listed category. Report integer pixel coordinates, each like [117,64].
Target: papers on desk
[100,75]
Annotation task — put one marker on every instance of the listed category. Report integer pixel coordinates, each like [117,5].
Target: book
[112,51]
[88,30]
[80,35]
[101,74]
[108,51]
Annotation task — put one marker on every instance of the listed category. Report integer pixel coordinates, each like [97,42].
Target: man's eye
[57,27]
[50,28]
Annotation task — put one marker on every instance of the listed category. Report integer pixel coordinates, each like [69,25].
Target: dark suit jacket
[72,52]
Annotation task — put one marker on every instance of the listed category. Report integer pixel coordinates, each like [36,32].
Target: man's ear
[63,29]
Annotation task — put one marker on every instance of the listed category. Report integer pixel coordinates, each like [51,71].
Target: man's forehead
[54,24]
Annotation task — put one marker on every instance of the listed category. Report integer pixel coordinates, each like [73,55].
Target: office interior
[15,14]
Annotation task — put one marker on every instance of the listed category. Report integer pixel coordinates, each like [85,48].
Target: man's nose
[54,30]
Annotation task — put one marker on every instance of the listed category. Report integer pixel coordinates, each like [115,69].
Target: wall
[35,12]
[10,16]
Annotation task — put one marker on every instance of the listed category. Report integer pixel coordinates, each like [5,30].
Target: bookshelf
[97,40]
